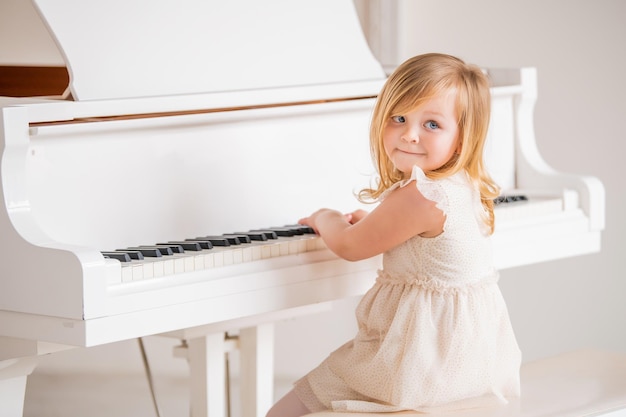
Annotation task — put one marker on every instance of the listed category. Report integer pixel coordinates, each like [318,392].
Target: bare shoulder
[417,212]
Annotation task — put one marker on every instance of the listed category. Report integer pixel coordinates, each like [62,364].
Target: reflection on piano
[218,143]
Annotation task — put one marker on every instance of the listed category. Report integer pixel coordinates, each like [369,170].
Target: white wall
[578,49]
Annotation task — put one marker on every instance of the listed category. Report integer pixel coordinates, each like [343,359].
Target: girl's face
[426,136]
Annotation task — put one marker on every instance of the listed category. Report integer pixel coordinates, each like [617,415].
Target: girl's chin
[407,169]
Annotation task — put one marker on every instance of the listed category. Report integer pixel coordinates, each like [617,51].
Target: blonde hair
[417,80]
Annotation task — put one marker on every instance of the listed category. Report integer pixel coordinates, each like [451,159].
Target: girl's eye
[398,119]
[431,124]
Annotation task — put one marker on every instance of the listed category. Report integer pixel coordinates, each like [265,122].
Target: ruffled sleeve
[430,189]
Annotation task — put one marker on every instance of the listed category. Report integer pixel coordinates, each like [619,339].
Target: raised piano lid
[119,49]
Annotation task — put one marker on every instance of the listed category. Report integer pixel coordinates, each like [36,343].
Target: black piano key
[302,228]
[509,199]
[519,198]
[204,244]
[134,254]
[260,236]
[120,256]
[243,238]
[166,250]
[150,252]
[269,234]
[295,230]
[216,240]
[278,231]
[233,240]
[172,246]
[184,245]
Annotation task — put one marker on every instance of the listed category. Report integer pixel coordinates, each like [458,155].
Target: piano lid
[143,48]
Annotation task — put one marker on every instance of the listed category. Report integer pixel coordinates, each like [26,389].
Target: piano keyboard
[200,253]
[510,209]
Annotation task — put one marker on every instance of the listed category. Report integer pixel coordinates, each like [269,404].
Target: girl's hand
[312,220]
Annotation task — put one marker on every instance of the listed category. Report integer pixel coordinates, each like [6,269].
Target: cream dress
[433,332]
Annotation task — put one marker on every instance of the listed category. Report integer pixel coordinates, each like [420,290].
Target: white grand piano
[196,119]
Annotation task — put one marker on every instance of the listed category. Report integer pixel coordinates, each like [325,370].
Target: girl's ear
[459,147]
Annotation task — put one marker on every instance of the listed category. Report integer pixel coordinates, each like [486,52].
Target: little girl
[433,332]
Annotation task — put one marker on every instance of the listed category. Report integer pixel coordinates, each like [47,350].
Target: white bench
[578,384]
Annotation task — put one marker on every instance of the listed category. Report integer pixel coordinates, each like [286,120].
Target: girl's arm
[404,213]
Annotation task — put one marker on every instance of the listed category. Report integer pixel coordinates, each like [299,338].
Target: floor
[110,381]
[103,396]
[110,396]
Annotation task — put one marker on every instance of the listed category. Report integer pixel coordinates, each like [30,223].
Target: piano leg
[207,372]
[206,357]
[13,375]
[256,346]
[205,348]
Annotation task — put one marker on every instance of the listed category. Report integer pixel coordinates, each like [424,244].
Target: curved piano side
[40,276]
[573,230]
[534,173]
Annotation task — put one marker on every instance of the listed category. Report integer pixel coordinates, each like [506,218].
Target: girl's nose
[411,136]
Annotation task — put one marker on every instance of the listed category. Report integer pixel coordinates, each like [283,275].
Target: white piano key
[283,248]
[247,254]
[227,257]
[570,199]
[293,247]
[190,264]
[209,260]
[274,251]
[127,273]
[179,265]
[218,259]
[148,270]
[257,252]
[237,255]
[137,272]
[158,268]
[168,267]
[198,261]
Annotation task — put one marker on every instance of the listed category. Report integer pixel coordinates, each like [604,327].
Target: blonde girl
[433,332]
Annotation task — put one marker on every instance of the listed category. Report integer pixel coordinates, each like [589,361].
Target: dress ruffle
[429,188]
[436,286]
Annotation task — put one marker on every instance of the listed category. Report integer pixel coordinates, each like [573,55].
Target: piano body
[193,127]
